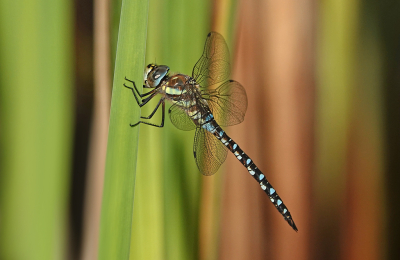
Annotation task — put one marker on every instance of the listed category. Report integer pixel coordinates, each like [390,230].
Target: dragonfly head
[154,74]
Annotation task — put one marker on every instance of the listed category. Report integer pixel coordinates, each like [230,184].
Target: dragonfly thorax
[178,88]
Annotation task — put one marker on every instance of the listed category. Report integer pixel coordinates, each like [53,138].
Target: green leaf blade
[118,194]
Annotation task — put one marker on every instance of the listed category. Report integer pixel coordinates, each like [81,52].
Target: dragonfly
[204,102]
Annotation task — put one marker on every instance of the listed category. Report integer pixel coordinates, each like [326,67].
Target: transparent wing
[208,151]
[180,119]
[228,103]
[214,64]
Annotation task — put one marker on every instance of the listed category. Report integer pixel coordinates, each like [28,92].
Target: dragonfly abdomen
[254,171]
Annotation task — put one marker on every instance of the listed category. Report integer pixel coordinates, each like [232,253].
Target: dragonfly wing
[208,151]
[180,119]
[214,64]
[228,103]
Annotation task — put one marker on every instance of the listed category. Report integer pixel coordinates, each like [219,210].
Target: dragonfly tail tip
[291,223]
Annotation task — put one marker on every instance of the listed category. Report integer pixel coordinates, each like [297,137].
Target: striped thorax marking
[173,91]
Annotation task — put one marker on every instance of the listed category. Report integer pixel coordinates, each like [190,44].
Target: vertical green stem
[117,206]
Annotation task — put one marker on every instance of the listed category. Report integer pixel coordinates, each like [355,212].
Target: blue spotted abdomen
[244,159]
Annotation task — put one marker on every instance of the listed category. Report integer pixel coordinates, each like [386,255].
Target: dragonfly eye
[154,75]
[147,70]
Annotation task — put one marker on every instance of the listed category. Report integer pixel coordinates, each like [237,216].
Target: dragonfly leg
[138,93]
[155,110]
[134,85]
[162,116]
[144,101]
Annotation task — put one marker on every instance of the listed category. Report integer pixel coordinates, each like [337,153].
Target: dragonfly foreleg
[151,115]
[134,85]
[144,101]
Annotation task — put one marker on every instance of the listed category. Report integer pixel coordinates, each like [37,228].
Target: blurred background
[323,86]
